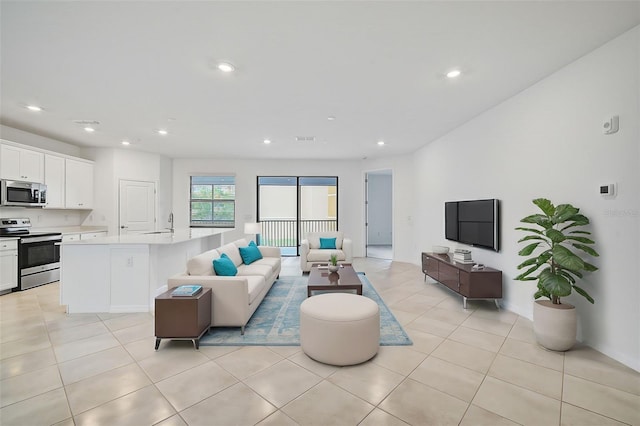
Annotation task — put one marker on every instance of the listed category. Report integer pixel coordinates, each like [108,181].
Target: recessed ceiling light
[34,108]
[453,73]
[331,117]
[126,143]
[163,132]
[89,129]
[226,67]
[380,143]
[266,141]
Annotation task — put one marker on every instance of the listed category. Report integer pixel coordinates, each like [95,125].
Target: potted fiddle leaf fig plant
[555,251]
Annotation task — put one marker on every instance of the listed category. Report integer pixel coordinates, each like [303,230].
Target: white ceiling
[378,67]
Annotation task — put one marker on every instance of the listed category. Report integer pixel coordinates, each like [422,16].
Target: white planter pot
[555,326]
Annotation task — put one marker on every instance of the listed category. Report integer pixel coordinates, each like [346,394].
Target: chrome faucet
[171,221]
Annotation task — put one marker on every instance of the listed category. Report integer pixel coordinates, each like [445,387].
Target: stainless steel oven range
[38,252]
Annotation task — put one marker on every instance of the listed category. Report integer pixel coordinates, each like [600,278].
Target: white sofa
[310,251]
[234,299]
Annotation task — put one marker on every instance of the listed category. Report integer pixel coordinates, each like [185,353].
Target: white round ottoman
[339,328]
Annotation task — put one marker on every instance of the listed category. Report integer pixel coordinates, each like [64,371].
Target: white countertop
[8,238]
[179,236]
[71,229]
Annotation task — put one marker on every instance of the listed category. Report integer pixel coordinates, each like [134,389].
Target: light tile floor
[466,367]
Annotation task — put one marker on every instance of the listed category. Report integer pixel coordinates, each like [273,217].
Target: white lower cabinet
[8,264]
[70,237]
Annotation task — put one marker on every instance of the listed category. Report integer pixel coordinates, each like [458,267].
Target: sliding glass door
[289,207]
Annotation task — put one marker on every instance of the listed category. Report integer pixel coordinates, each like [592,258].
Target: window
[213,201]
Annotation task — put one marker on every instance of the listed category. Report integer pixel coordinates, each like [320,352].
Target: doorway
[137,207]
[289,207]
[379,214]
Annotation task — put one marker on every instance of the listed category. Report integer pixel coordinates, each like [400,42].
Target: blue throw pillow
[224,266]
[250,254]
[327,243]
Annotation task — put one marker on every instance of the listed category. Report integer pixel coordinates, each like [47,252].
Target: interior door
[137,212]
[378,214]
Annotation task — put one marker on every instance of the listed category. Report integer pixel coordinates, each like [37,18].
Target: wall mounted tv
[473,222]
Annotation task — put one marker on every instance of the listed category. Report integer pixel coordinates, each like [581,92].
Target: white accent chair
[310,251]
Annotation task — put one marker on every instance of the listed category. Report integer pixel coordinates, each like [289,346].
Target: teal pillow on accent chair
[224,266]
[250,254]
[327,243]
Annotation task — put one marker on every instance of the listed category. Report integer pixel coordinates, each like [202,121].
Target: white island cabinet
[125,273]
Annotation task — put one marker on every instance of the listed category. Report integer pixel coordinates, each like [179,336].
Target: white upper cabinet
[78,184]
[21,164]
[54,179]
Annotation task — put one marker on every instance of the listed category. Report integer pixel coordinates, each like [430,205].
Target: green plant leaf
[564,212]
[566,258]
[528,262]
[532,237]
[568,276]
[586,249]
[541,293]
[589,267]
[536,231]
[584,240]
[528,249]
[555,235]
[555,284]
[576,273]
[529,271]
[576,220]
[545,205]
[580,232]
[538,219]
[582,292]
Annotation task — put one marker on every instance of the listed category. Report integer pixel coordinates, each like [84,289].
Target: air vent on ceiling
[305,138]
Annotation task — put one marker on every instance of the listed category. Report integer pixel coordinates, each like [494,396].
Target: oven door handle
[57,244]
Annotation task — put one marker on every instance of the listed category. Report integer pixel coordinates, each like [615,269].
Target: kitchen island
[125,273]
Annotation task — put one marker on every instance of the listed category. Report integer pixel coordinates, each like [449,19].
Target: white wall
[547,142]
[350,204]
[113,165]
[31,139]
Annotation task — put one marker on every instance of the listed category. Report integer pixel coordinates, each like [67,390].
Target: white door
[137,207]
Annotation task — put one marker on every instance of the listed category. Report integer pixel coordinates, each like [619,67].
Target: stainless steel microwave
[22,194]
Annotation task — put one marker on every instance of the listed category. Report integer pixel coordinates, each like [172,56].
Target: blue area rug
[276,322]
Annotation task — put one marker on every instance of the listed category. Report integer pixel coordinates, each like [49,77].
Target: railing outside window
[282,232]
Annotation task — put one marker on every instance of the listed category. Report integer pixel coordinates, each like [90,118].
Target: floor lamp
[253,228]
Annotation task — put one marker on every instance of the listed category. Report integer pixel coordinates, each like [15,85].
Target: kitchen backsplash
[46,218]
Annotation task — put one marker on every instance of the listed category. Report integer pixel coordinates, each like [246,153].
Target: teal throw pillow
[250,254]
[224,266]
[327,243]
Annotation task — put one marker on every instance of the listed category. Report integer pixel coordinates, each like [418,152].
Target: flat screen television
[473,222]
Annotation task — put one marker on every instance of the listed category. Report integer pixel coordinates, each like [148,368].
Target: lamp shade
[253,228]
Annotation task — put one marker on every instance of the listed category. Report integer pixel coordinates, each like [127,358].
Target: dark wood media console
[462,278]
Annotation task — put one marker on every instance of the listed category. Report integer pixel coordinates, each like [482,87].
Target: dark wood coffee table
[346,279]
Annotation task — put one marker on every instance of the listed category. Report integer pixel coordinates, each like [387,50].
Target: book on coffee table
[186,290]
